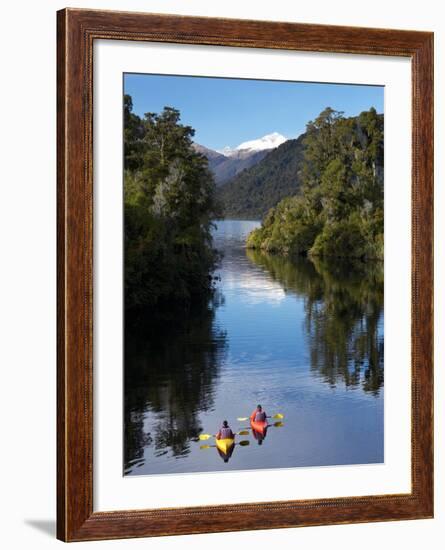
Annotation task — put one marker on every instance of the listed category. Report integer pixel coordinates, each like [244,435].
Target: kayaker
[225,431]
[258,415]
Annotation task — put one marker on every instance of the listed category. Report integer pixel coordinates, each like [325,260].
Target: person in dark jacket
[225,432]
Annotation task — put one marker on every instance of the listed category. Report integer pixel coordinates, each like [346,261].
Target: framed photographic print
[245,228]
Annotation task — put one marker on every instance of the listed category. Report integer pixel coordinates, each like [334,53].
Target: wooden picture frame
[77,31]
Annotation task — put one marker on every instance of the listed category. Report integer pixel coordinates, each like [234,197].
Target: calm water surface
[302,338]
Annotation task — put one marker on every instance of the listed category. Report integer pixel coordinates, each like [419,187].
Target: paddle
[275,416]
[205,437]
[274,425]
[243,443]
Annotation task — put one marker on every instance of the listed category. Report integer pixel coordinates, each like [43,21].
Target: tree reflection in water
[343,304]
[170,371]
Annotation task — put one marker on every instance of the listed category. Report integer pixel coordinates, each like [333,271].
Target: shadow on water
[343,303]
[171,371]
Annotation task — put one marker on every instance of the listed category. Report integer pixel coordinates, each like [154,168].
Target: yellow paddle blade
[202,447]
[278,424]
[244,443]
[278,415]
[243,432]
[204,437]
[243,418]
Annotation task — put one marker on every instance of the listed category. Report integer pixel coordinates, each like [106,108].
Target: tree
[133,133]
[169,196]
[339,209]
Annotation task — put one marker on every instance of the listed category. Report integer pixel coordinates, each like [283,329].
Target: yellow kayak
[224,445]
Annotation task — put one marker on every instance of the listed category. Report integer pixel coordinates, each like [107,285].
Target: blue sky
[226,112]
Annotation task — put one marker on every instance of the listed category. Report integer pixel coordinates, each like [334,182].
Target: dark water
[302,338]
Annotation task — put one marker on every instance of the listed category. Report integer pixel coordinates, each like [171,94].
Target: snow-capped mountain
[228,162]
[269,141]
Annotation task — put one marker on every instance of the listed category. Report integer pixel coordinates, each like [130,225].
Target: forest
[254,191]
[338,211]
[326,189]
[169,202]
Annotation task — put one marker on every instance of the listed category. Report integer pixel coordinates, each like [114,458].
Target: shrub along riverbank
[339,209]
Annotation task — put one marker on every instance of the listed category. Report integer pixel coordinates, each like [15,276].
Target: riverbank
[338,209]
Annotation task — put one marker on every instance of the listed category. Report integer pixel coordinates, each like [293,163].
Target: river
[303,338]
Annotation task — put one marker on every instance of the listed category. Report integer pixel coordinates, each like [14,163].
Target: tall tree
[339,209]
[169,204]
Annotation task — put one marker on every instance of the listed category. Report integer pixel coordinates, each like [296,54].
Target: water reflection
[228,455]
[170,373]
[296,335]
[259,436]
[343,303]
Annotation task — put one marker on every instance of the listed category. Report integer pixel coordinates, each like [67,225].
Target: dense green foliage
[251,193]
[339,208]
[169,202]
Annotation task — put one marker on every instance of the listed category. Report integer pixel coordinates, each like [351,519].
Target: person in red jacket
[258,415]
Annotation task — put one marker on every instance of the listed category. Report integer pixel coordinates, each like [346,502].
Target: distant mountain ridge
[251,193]
[212,156]
[228,163]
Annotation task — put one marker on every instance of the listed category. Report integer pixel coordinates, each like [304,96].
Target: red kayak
[260,426]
